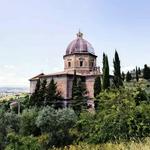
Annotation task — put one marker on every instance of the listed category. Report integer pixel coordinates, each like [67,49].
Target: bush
[118,117]
[57,124]
[27,122]
[18,142]
[12,122]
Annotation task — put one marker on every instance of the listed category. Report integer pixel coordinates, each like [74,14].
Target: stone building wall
[61,84]
[32,86]
[90,86]
[72,62]
[64,84]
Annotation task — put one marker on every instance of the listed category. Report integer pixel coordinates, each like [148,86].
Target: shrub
[57,124]
[22,142]
[27,122]
[118,117]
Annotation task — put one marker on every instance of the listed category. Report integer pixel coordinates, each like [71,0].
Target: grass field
[145,145]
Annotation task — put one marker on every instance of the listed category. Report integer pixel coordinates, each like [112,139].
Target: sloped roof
[36,77]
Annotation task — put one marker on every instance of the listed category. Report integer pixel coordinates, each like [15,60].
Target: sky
[34,34]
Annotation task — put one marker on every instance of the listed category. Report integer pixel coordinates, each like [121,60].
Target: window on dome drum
[81,63]
[92,64]
[69,64]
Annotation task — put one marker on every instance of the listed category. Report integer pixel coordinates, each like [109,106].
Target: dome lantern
[79,34]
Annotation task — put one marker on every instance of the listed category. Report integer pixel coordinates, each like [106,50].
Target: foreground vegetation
[121,121]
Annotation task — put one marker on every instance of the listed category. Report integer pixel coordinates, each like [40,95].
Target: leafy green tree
[27,122]
[12,122]
[117,71]
[137,75]
[25,102]
[57,123]
[9,122]
[141,96]
[97,86]
[119,115]
[5,105]
[106,80]
[84,127]
[146,72]
[18,142]
[128,77]
[79,101]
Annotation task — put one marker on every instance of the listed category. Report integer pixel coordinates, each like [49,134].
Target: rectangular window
[81,63]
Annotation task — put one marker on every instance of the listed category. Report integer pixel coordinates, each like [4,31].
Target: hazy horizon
[34,34]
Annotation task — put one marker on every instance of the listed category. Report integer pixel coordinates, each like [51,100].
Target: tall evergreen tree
[39,95]
[123,76]
[79,99]
[137,74]
[117,71]
[34,99]
[146,72]
[128,77]
[104,61]
[74,83]
[52,95]
[106,80]
[42,92]
[97,86]
[139,71]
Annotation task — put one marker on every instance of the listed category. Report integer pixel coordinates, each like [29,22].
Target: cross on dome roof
[80,34]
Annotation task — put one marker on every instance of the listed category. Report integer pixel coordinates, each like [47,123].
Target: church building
[80,58]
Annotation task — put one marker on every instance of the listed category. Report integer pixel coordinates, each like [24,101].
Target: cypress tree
[146,72]
[137,75]
[123,76]
[128,77]
[52,95]
[42,93]
[106,80]
[117,73]
[34,99]
[74,83]
[79,99]
[97,86]
[139,71]
[103,62]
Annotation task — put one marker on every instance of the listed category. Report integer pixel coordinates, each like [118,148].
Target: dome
[79,45]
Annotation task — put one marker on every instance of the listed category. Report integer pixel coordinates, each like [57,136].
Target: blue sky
[34,34]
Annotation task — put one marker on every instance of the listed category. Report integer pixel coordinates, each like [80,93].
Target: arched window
[92,64]
[69,64]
